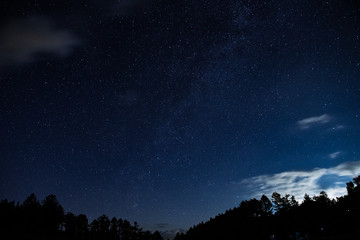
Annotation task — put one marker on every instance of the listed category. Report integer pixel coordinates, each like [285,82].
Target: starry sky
[170,112]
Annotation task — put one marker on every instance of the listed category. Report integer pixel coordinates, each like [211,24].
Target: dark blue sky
[170,112]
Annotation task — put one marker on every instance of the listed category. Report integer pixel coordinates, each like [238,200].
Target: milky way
[170,112]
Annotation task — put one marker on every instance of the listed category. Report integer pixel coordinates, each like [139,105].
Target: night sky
[169,112]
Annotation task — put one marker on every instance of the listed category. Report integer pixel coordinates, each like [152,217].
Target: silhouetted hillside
[46,220]
[284,218]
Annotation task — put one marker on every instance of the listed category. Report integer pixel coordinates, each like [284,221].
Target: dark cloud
[23,39]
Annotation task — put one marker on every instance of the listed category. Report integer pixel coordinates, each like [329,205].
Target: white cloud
[311,121]
[298,183]
[21,40]
[346,169]
[334,154]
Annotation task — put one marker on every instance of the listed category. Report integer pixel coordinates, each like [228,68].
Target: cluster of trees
[282,217]
[47,220]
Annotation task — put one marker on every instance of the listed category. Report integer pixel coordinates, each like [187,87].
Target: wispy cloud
[313,121]
[337,127]
[334,154]
[23,39]
[332,180]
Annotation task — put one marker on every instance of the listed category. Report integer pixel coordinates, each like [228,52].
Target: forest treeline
[282,217]
[46,220]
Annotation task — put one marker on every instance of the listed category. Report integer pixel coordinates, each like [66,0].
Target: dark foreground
[282,217]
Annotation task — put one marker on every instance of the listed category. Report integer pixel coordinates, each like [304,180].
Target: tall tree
[53,214]
[30,216]
[266,206]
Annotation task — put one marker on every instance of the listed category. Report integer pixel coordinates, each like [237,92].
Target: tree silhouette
[318,217]
[31,217]
[70,226]
[82,226]
[282,204]
[285,218]
[114,229]
[350,187]
[94,227]
[53,214]
[32,220]
[156,236]
[266,206]
[9,219]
